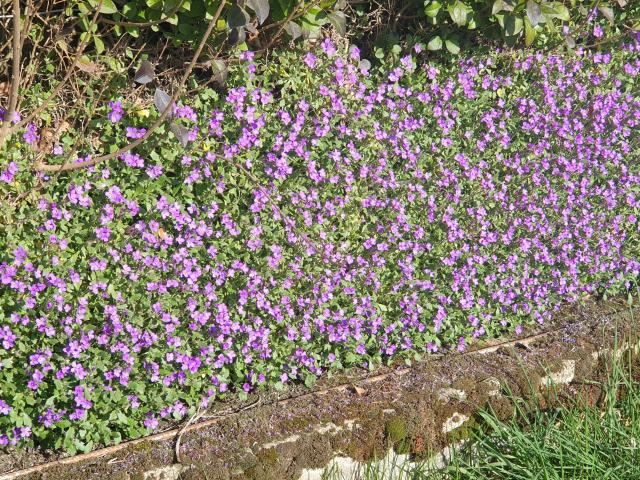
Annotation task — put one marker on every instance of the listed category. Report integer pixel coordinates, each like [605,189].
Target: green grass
[571,442]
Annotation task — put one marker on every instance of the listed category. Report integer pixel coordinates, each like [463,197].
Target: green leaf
[452,45]
[511,24]
[432,9]
[99,44]
[108,7]
[529,33]
[435,44]
[310,380]
[219,70]
[458,12]
[555,10]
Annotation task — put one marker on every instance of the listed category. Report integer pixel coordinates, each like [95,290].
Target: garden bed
[290,228]
[417,410]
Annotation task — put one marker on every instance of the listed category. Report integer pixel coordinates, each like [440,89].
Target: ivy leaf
[435,43]
[534,12]
[339,22]
[145,73]
[161,100]
[261,7]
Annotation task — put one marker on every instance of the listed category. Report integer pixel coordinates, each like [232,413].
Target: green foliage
[184,21]
[528,21]
[454,25]
[454,142]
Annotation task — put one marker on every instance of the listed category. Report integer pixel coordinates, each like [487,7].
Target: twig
[198,415]
[75,166]
[15,74]
[58,88]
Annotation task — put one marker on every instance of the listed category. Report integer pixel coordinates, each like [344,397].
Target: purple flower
[597,31]
[116,112]
[30,136]
[310,60]
[4,408]
[103,233]
[8,175]
[136,132]
[154,171]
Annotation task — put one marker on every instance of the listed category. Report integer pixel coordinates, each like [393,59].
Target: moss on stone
[396,429]
[268,457]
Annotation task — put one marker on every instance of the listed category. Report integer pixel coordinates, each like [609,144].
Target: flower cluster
[335,220]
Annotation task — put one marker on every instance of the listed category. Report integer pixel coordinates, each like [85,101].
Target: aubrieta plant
[317,219]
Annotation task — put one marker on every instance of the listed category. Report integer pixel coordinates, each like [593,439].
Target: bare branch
[63,82]
[74,166]
[15,74]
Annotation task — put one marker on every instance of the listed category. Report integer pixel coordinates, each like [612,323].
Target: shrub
[451,26]
[312,222]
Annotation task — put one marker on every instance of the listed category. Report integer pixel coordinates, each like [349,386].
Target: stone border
[409,412]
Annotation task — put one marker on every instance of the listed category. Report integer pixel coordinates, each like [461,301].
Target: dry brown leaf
[358,390]
[87,66]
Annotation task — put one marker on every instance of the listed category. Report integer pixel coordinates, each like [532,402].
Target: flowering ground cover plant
[319,217]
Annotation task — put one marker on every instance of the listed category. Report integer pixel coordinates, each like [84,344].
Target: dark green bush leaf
[237,36]
[261,7]
[237,17]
